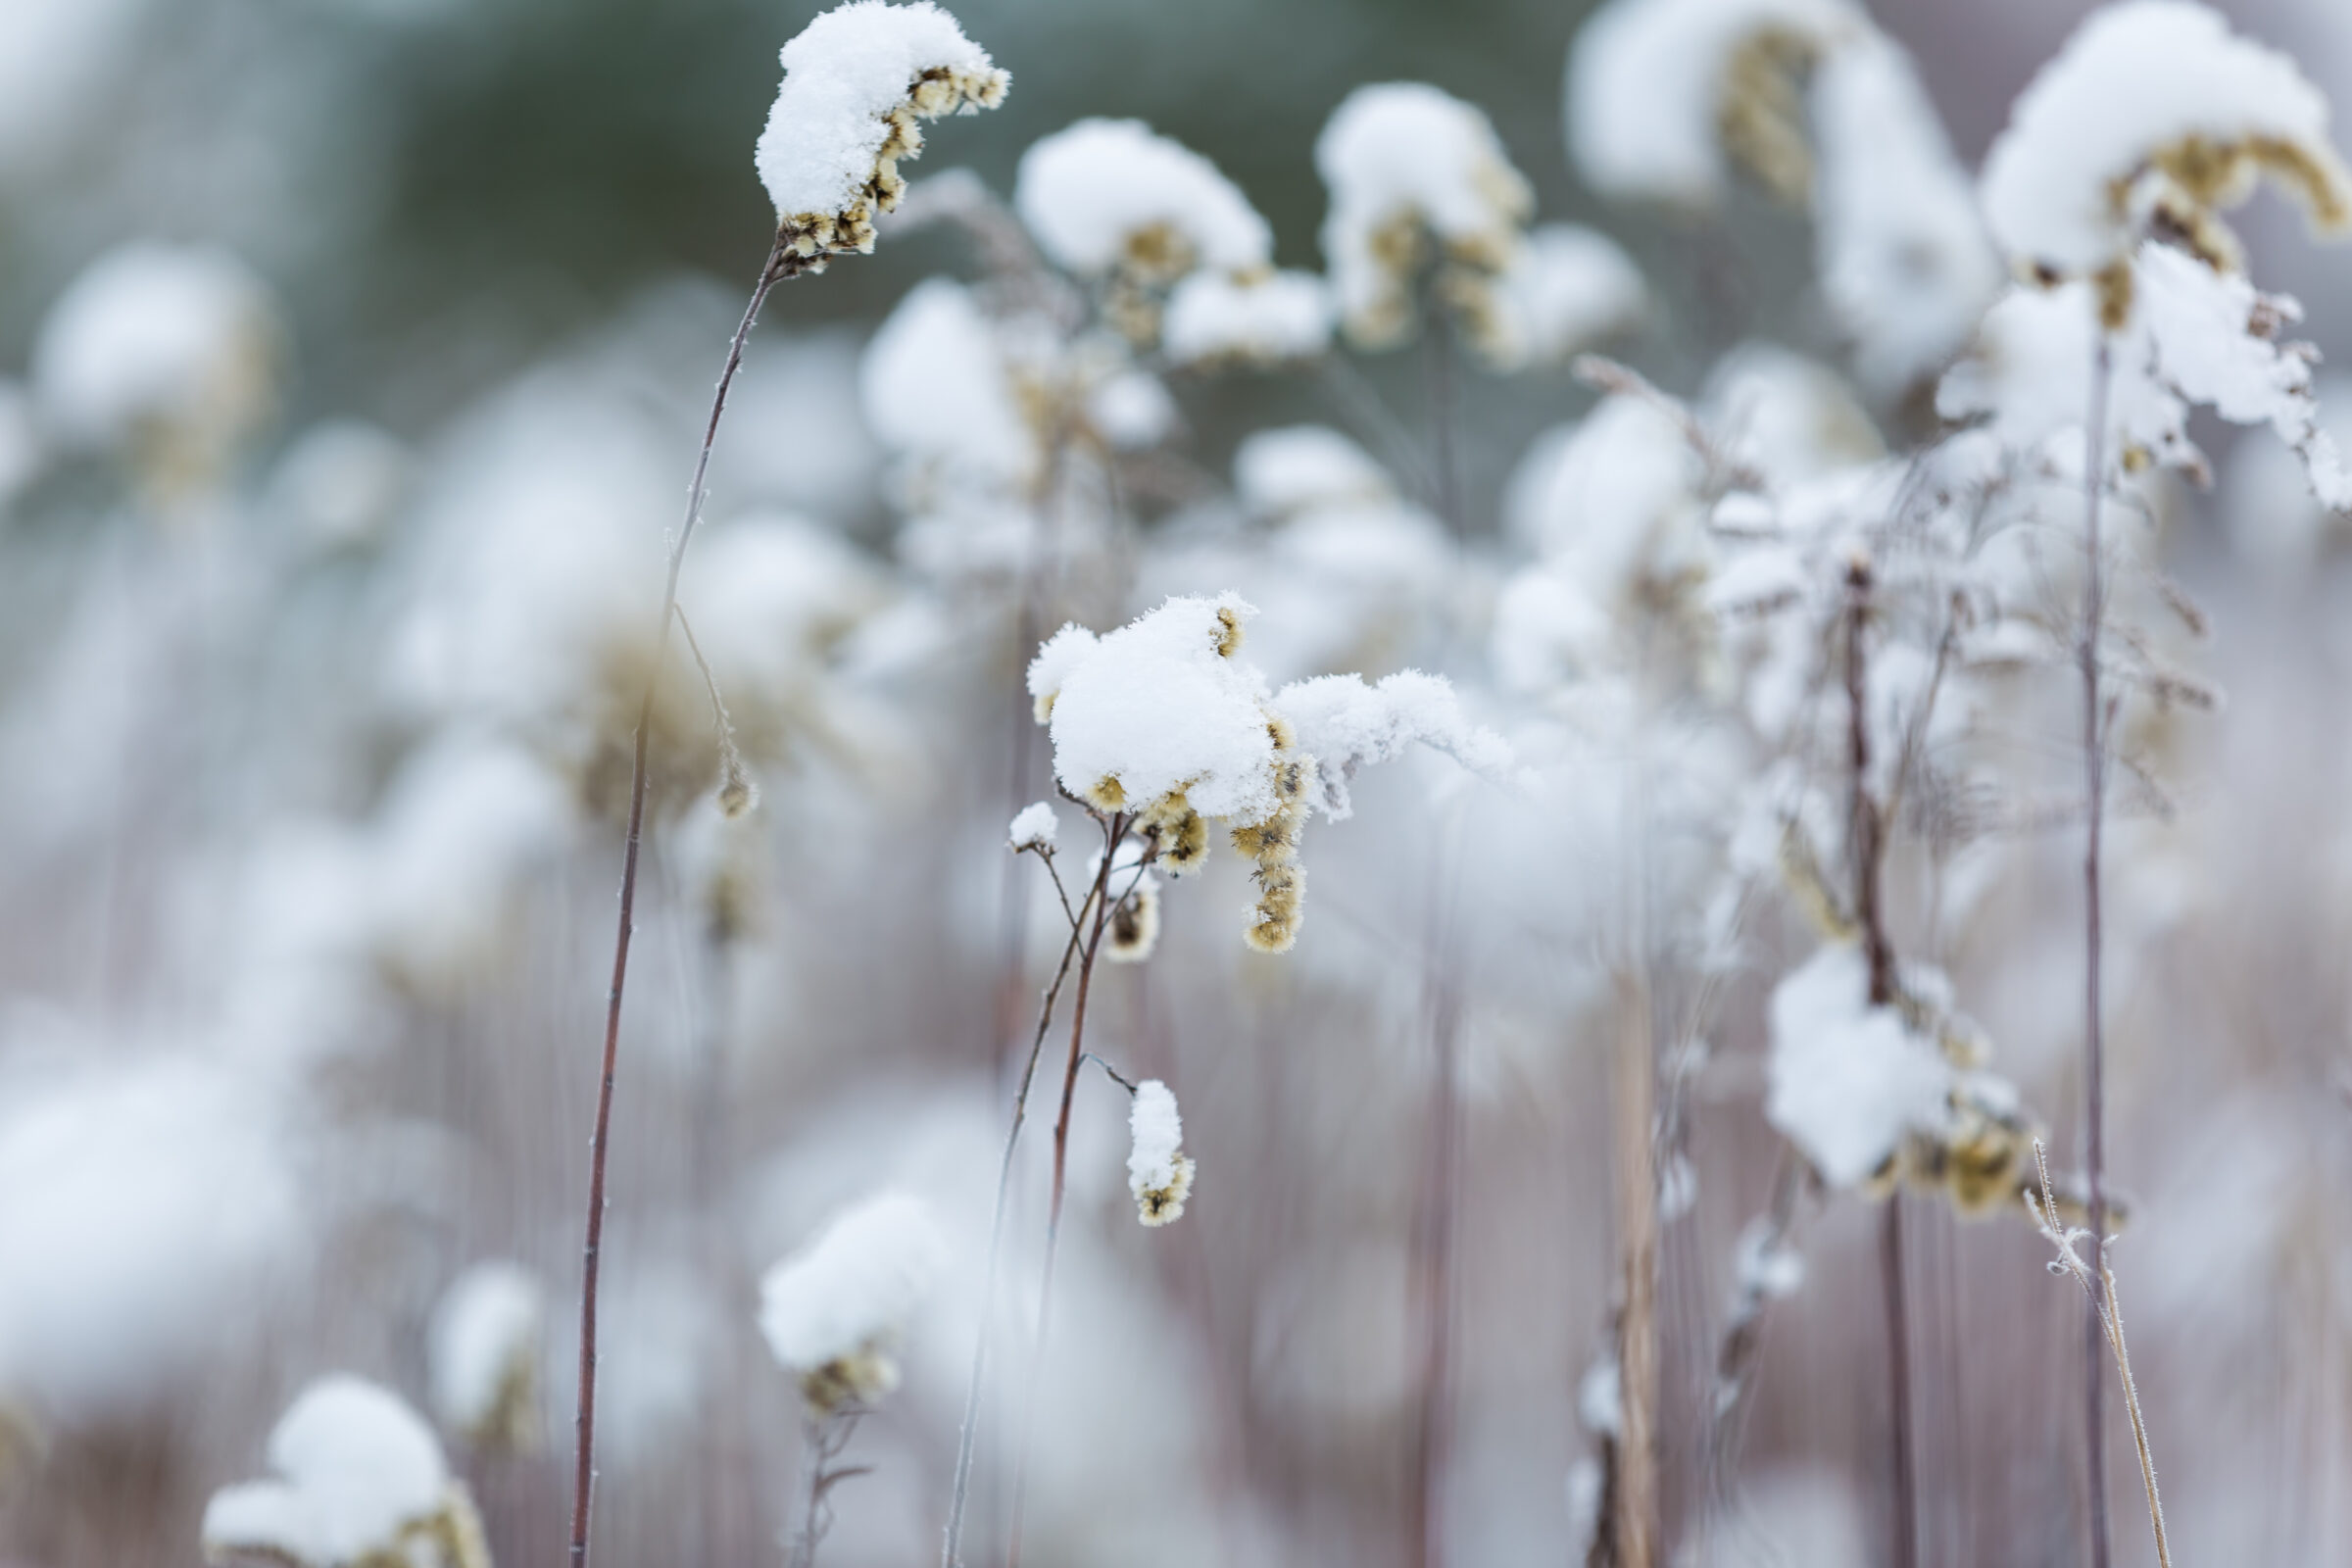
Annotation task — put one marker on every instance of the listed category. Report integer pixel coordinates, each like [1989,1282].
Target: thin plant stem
[782,262]
[1866,847]
[1114,829]
[1435,1252]
[826,1438]
[995,1229]
[2108,1311]
[2094,1106]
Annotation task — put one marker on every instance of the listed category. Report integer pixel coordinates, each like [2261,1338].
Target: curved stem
[782,262]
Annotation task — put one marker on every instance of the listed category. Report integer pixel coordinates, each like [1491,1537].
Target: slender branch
[1114,829]
[782,262]
[2094,1107]
[995,1226]
[2109,1312]
[825,1443]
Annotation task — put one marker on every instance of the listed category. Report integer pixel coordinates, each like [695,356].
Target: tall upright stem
[1433,1266]
[782,262]
[1103,903]
[1866,849]
[2094,1106]
[996,1234]
[1637,1507]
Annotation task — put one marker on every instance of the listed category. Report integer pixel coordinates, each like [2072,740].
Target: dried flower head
[485,1356]
[1159,1173]
[1259,319]
[857,80]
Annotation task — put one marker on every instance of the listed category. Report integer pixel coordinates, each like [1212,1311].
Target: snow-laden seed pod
[1159,1173]
[834,1312]
[857,80]
[484,1355]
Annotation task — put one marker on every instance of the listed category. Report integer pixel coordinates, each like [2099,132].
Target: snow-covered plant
[166,353]
[1262,319]
[2154,118]
[1418,179]
[484,1355]
[835,1311]
[1110,201]
[1159,1173]
[361,1483]
[858,81]
[1161,725]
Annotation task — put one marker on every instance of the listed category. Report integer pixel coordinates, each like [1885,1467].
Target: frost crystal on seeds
[2154,107]
[1035,827]
[1408,166]
[1261,318]
[834,1310]
[1159,1173]
[485,1355]
[1848,1082]
[856,80]
[363,1478]
[1345,724]
[2193,336]
[1111,195]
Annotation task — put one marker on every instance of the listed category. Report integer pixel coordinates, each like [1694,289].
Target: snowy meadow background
[1568,1096]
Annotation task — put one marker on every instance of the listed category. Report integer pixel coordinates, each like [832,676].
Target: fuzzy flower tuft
[484,1352]
[857,80]
[1410,169]
[833,1312]
[362,1482]
[2155,115]
[1035,827]
[1260,319]
[1112,196]
[1159,1173]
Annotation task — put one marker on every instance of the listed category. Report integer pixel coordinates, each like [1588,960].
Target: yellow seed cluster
[811,238]
[861,1377]
[1134,927]
[1164,1206]
[1274,845]
[1760,111]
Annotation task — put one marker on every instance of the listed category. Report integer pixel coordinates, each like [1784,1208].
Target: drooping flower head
[1159,1173]
[2154,118]
[857,80]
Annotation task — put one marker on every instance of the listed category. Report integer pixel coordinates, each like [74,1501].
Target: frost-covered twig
[782,262]
[2107,1316]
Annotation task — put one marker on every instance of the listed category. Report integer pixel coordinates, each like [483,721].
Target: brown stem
[1867,851]
[1113,831]
[1636,1504]
[2095,1107]
[781,263]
